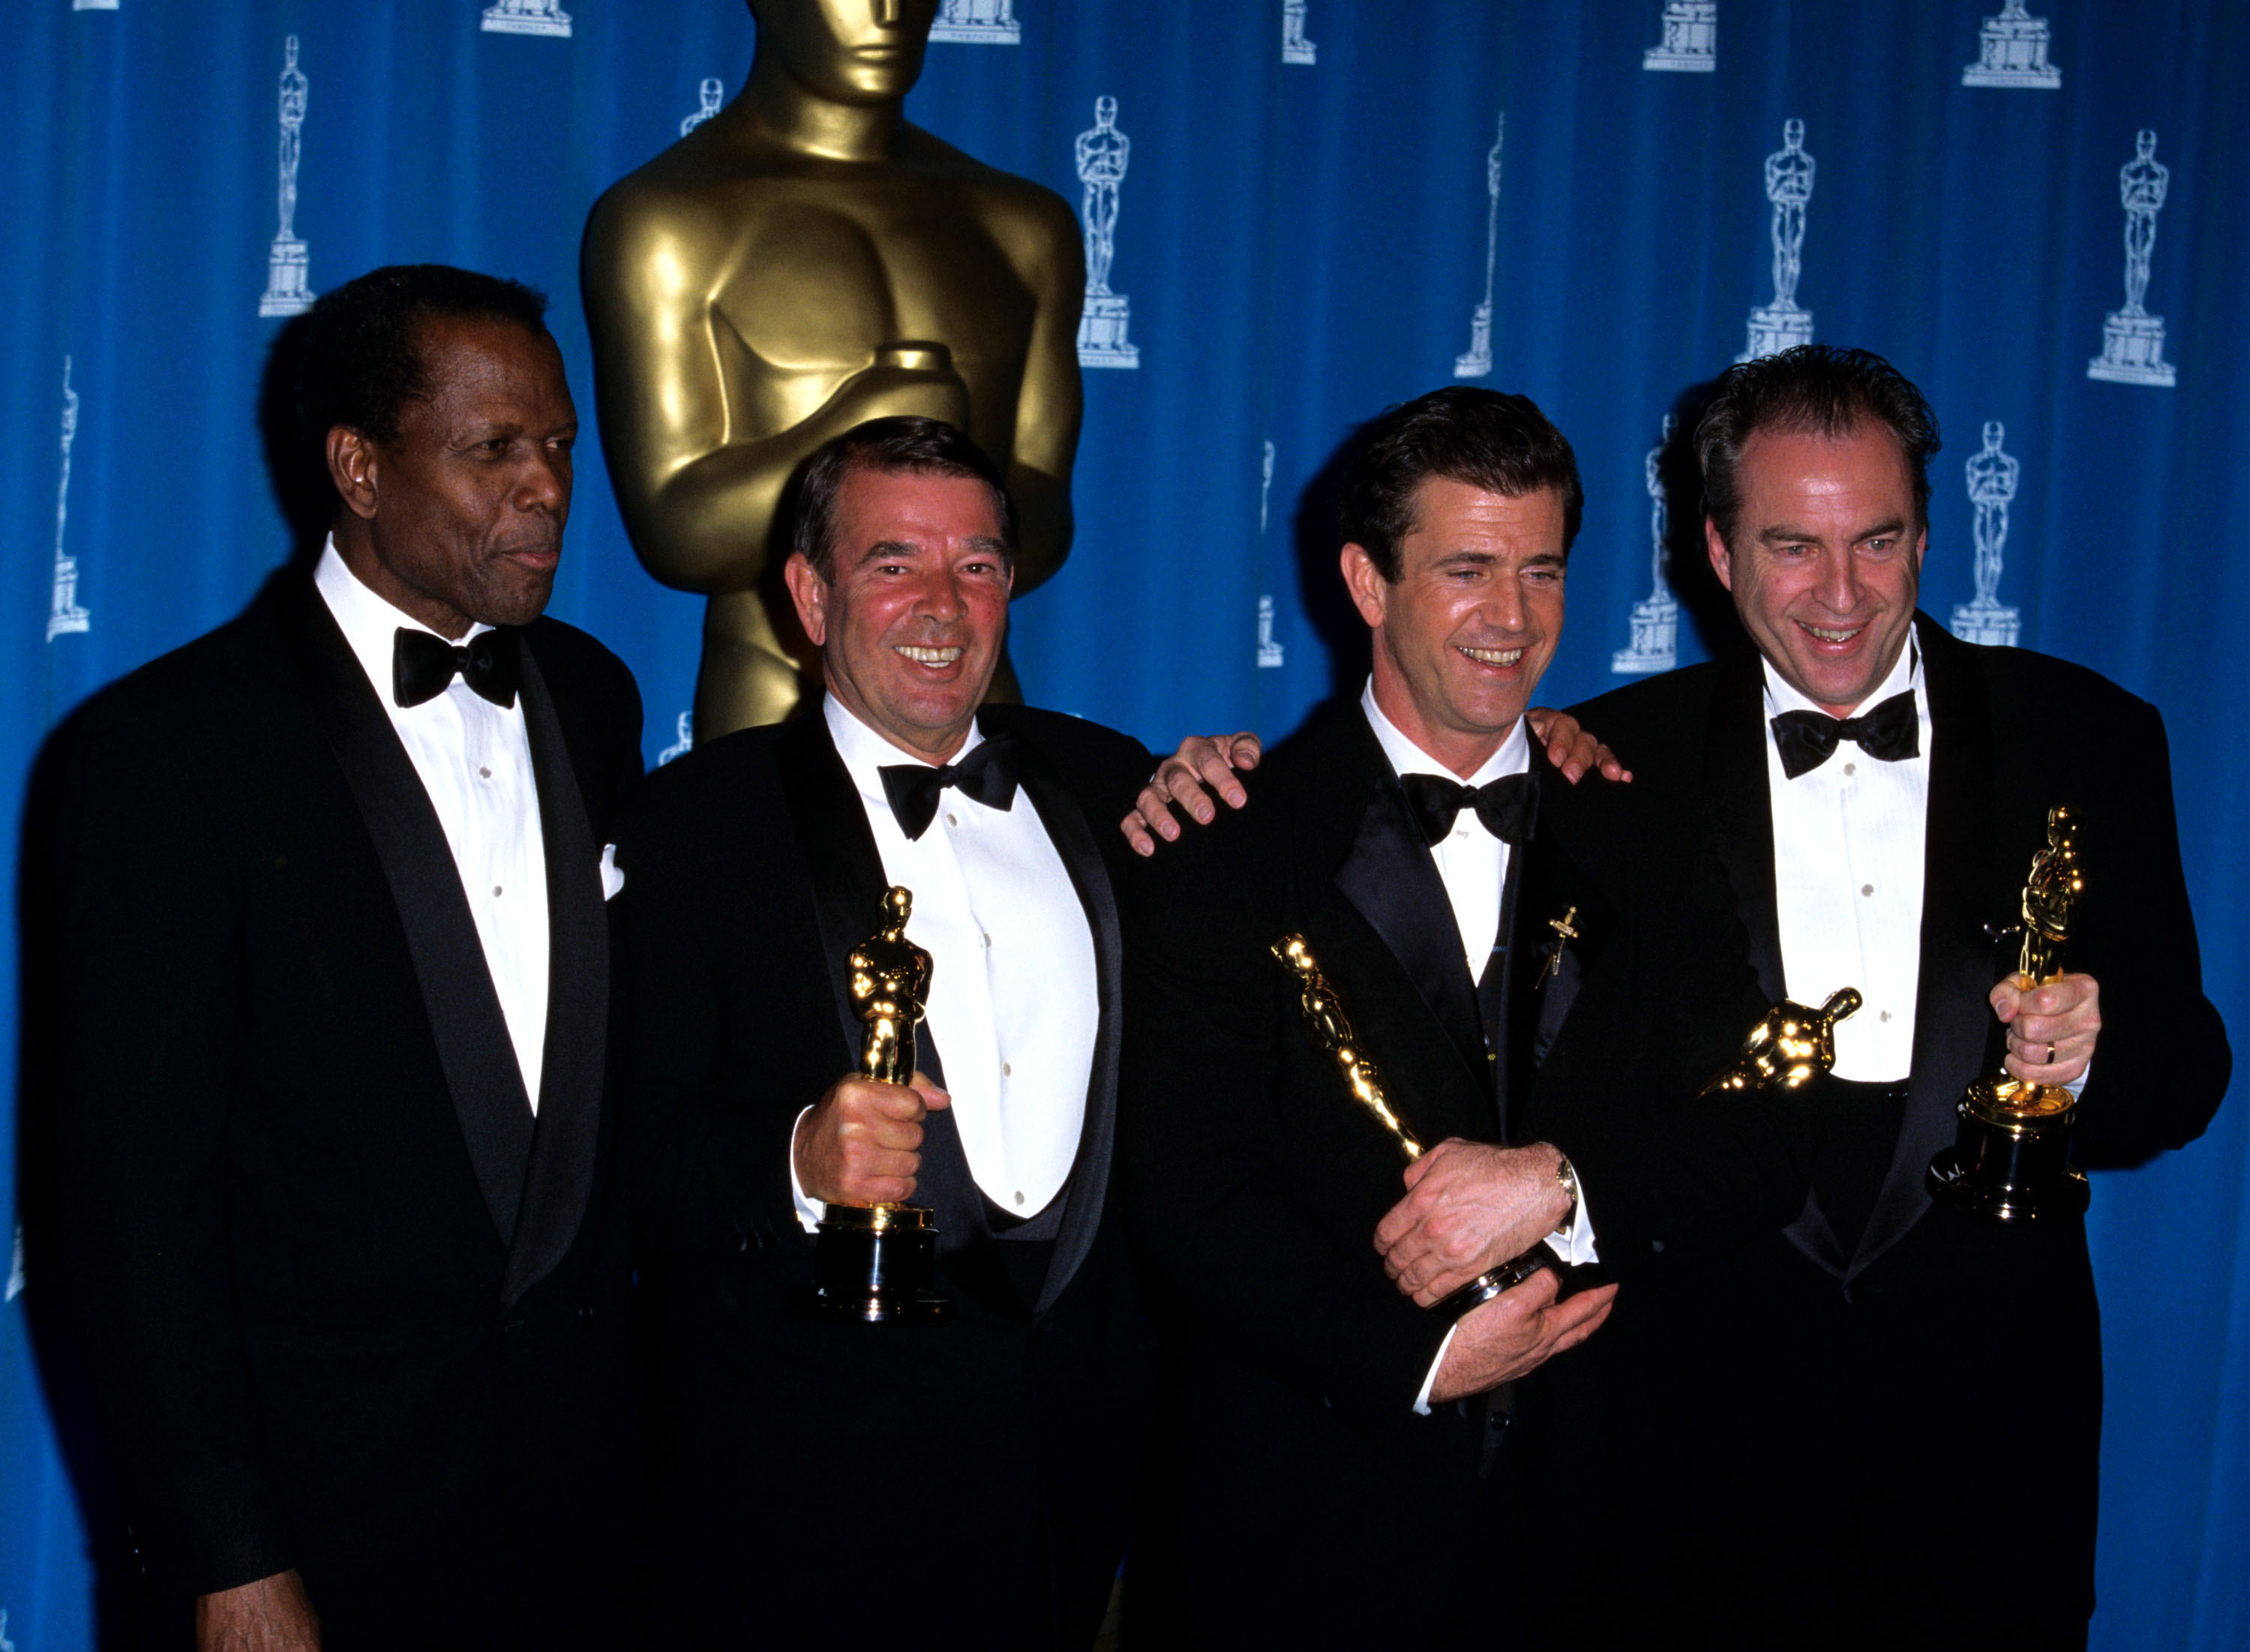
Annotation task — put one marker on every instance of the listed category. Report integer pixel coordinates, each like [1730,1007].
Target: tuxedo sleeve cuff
[1422,1400]
[810,1211]
[1574,1245]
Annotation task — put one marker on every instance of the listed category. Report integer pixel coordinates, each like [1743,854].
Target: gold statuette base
[874,1264]
[2010,1162]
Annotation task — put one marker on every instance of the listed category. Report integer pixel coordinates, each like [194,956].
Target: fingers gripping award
[875,1263]
[2010,1163]
[1329,1029]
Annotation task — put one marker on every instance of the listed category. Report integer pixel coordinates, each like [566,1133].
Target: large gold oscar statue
[802,262]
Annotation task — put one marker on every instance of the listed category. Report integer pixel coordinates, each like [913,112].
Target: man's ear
[810,592]
[353,466]
[1370,592]
[1723,562]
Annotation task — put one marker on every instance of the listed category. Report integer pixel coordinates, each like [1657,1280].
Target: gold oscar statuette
[2011,1161]
[803,261]
[875,1264]
[1788,1046]
[1329,1029]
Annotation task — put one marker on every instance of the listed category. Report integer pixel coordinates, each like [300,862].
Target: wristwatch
[1566,1178]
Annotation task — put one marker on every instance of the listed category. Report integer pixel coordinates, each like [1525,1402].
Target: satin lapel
[843,871]
[1741,809]
[1951,1019]
[1548,882]
[1736,781]
[465,1021]
[1531,889]
[1089,1178]
[1390,878]
[561,1179]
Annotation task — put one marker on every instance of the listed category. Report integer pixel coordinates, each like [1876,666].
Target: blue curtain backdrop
[1303,237]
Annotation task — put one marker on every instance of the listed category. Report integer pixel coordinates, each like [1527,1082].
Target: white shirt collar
[1514,756]
[1905,673]
[866,750]
[370,622]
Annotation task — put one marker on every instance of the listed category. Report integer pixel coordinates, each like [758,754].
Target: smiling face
[1826,559]
[459,517]
[858,51]
[910,627]
[1463,637]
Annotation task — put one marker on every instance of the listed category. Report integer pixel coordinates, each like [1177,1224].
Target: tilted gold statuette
[875,1263]
[1329,1029]
[1789,1046]
[2010,1162]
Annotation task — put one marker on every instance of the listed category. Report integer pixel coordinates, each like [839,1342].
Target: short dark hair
[903,444]
[1500,442]
[361,361]
[1813,389]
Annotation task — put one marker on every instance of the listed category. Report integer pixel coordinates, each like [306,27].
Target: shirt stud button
[1006,1071]
[1851,769]
[1885,1015]
[495,891]
[1867,889]
[952,819]
[1019,1198]
[986,939]
[483,773]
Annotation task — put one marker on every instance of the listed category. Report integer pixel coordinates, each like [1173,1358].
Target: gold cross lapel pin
[1565,934]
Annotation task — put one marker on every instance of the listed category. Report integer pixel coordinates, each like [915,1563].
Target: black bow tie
[1891,731]
[1507,806]
[988,775]
[423,666]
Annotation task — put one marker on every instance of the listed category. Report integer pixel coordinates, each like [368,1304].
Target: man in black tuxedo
[1899,1447]
[1528,964]
[964,1485]
[337,1223]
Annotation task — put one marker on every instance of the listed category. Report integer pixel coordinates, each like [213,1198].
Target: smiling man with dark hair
[1544,973]
[338,1229]
[1900,1446]
[966,1486]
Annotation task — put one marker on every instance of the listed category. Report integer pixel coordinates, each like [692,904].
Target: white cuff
[809,1209]
[1575,1244]
[2077,1086]
[1422,1400]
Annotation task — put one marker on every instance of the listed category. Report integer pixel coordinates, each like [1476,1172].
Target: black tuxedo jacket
[963,1485]
[1299,1501]
[1818,1389]
[348,1307]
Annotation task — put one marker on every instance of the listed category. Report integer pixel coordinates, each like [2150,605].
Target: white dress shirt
[1013,1003]
[1847,873]
[474,761]
[1473,865]
[1849,850]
